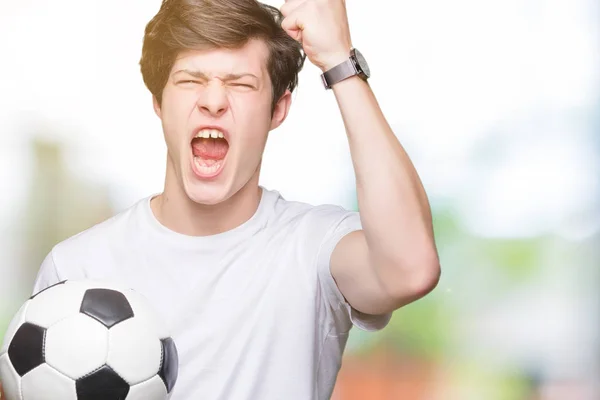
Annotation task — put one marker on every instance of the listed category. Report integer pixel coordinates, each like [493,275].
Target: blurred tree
[59,205]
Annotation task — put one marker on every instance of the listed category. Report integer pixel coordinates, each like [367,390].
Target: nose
[213,100]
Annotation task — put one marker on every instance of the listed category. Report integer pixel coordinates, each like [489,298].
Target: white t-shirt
[254,311]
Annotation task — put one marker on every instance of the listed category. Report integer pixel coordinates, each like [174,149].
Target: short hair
[182,25]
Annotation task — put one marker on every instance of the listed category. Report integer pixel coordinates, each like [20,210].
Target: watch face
[362,63]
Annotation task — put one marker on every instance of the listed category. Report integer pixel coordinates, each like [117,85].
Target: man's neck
[177,212]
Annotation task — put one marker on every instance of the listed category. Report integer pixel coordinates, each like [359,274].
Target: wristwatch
[354,65]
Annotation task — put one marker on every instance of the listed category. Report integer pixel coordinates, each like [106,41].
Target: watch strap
[338,73]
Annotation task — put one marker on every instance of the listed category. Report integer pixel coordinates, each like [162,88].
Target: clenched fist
[322,27]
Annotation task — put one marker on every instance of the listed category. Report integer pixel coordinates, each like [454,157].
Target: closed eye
[197,82]
[243,85]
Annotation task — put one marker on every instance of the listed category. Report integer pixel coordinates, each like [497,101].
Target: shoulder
[72,258]
[313,218]
[84,244]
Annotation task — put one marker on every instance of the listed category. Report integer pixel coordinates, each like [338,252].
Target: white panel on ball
[55,304]
[142,310]
[153,389]
[11,382]
[14,325]
[76,345]
[134,351]
[46,383]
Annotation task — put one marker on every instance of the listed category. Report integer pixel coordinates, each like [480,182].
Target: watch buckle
[325,83]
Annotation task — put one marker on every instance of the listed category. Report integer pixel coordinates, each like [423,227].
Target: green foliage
[446,225]
[474,380]
[421,328]
[519,259]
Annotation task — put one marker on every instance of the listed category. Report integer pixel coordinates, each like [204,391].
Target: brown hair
[183,25]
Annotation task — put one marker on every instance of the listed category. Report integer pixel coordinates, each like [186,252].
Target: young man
[259,292]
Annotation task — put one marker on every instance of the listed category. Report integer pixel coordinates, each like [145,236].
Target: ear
[282,109]
[156,106]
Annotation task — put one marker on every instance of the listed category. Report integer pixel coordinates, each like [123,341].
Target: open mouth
[209,147]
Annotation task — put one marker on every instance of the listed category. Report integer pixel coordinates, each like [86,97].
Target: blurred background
[498,104]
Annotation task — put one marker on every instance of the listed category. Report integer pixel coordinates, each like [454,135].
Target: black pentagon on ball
[170,364]
[26,349]
[43,290]
[102,384]
[107,306]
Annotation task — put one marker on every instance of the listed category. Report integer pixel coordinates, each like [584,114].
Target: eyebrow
[202,75]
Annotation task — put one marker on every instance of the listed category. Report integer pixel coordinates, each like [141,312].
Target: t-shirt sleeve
[47,274]
[345,222]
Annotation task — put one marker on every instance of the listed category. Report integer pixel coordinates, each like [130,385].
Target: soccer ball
[86,340]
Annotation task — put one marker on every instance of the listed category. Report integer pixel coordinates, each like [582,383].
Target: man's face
[225,95]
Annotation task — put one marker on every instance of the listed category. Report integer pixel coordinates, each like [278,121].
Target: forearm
[393,206]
